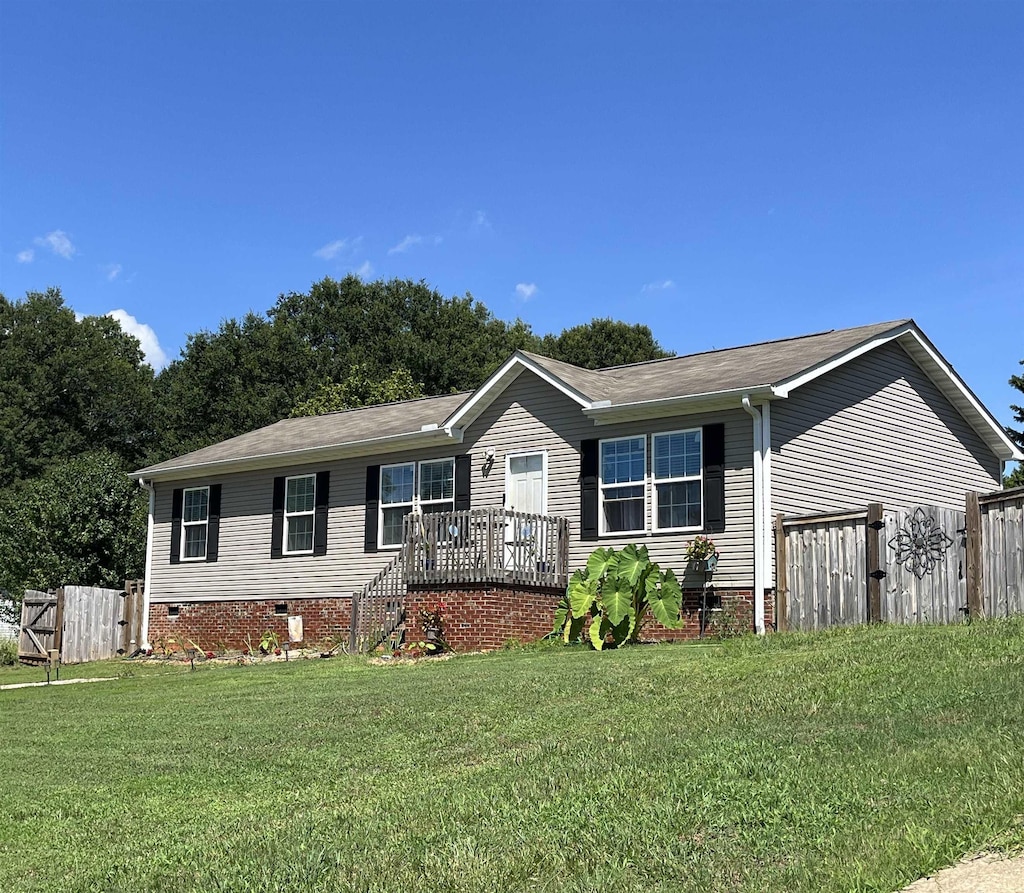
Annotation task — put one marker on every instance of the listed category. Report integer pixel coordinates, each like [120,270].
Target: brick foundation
[476,618]
[217,625]
[486,617]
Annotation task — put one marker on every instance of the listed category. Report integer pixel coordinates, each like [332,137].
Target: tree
[68,386]
[83,521]
[360,388]
[603,342]
[1017,478]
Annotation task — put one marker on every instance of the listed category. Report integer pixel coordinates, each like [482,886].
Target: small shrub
[8,652]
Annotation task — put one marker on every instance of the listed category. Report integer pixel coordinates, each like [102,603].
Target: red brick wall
[214,625]
[475,618]
[490,616]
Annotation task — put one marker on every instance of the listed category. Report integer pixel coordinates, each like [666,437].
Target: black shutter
[372,508]
[323,488]
[213,524]
[277,520]
[714,478]
[176,499]
[463,473]
[588,489]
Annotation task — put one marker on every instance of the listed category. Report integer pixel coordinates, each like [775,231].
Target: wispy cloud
[112,271]
[660,285]
[151,348]
[338,247]
[406,243]
[26,256]
[365,270]
[58,242]
[481,221]
[525,291]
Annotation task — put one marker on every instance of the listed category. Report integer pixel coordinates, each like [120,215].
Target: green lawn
[854,760]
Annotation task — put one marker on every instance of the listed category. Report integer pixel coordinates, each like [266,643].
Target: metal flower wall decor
[920,544]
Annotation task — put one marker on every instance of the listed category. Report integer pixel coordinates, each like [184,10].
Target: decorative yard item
[615,592]
[703,552]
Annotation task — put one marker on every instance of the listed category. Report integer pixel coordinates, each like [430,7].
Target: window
[396,500]
[678,500]
[299,504]
[623,484]
[428,487]
[195,518]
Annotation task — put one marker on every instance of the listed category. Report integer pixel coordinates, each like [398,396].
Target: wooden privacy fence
[81,623]
[915,564]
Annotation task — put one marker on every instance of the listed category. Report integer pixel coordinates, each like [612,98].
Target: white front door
[526,483]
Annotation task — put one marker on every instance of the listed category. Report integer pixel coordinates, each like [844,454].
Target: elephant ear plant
[615,593]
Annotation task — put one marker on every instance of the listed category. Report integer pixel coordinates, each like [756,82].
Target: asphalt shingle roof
[749,366]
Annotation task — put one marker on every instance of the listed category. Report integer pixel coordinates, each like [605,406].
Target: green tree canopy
[603,342]
[360,388]
[68,386]
[1017,436]
[83,521]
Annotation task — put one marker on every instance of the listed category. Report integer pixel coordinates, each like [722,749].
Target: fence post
[975,577]
[781,578]
[58,622]
[353,633]
[874,526]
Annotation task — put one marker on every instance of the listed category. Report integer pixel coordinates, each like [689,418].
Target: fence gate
[42,621]
[923,555]
[83,623]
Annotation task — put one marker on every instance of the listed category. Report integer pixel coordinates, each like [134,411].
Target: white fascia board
[921,350]
[509,371]
[667,406]
[372,446]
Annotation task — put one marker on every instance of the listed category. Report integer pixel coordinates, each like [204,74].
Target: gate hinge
[876,525]
[877,575]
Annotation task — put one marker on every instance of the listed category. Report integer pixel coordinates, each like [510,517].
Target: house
[312,516]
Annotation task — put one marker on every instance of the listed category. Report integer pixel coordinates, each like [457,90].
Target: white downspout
[144,638]
[759,509]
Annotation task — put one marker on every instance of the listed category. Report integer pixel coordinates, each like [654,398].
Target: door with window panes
[526,492]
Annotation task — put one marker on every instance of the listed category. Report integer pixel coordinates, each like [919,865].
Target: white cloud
[480,220]
[26,256]
[525,290]
[112,271]
[365,270]
[151,348]
[339,246]
[58,242]
[661,285]
[406,243]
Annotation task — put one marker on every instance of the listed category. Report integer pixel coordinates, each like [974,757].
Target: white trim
[146,597]
[508,372]
[318,455]
[601,485]
[666,406]
[303,514]
[544,471]
[759,553]
[655,480]
[766,481]
[204,523]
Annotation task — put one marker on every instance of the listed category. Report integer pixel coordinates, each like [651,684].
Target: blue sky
[724,172]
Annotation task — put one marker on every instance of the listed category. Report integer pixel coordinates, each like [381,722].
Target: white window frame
[417,505]
[655,480]
[311,513]
[602,486]
[205,523]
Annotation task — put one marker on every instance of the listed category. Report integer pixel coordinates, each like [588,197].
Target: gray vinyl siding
[528,415]
[874,430]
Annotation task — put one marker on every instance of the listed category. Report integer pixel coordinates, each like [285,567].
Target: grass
[854,760]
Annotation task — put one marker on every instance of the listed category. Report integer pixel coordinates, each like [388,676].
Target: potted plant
[432,623]
[701,550]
